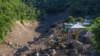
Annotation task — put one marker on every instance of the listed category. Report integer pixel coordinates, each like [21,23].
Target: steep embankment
[12,31]
[18,37]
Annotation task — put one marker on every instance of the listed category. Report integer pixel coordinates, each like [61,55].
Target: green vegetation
[51,5]
[79,8]
[79,19]
[12,10]
[76,8]
[70,19]
[96,31]
[84,7]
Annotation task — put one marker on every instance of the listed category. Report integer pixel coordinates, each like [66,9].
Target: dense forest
[75,7]
[12,10]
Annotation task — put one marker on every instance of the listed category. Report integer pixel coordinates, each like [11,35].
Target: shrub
[70,19]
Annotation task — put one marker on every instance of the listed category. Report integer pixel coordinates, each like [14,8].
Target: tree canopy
[74,7]
[96,32]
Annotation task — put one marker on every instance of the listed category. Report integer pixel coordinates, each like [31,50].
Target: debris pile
[56,43]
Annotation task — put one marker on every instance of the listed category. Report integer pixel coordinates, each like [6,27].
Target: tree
[51,5]
[70,19]
[79,19]
[96,32]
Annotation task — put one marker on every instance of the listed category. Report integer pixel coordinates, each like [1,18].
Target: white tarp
[67,24]
[77,26]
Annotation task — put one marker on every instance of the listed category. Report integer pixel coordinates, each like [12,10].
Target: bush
[96,31]
[70,19]
[79,19]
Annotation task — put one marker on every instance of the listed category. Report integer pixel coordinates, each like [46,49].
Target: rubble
[56,43]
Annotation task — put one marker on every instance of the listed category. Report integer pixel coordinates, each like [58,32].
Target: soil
[19,36]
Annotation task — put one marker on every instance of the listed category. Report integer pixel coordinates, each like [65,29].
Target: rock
[37,54]
[53,52]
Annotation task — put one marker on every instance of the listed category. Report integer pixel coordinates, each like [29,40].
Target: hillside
[12,10]
[26,26]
